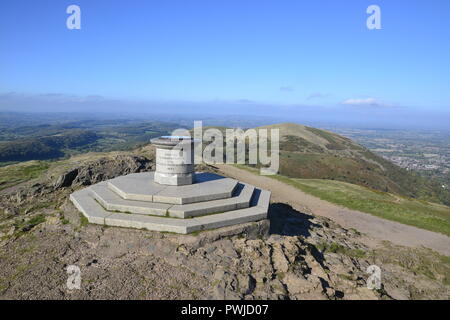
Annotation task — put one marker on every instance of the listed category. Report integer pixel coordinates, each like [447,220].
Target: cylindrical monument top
[168,142]
[174,160]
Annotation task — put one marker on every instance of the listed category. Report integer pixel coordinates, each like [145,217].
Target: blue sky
[227,55]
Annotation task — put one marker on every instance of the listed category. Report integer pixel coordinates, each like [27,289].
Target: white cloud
[365,102]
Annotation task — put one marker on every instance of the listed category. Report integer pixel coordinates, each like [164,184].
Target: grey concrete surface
[113,202]
[101,205]
[140,186]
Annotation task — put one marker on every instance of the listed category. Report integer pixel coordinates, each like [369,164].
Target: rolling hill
[311,153]
[306,152]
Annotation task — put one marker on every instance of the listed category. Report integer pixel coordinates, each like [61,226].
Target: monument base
[177,179]
[137,201]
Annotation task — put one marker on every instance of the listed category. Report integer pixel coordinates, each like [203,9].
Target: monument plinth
[168,199]
[174,160]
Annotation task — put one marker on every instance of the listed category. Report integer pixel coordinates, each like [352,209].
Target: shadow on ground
[286,221]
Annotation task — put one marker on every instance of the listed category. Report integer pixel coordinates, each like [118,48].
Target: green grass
[25,226]
[340,249]
[418,213]
[62,218]
[83,220]
[425,262]
[37,206]
[15,174]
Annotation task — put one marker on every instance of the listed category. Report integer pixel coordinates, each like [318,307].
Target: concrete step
[95,213]
[241,199]
[141,187]
[113,202]
[90,208]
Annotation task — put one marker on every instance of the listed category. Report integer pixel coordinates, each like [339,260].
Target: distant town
[427,152]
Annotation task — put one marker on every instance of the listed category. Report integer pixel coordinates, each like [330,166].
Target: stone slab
[147,222]
[113,202]
[95,213]
[136,186]
[141,187]
[264,199]
[239,201]
[174,179]
[246,195]
[204,189]
[89,207]
[226,219]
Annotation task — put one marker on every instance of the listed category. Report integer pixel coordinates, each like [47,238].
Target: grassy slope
[311,153]
[418,213]
[15,174]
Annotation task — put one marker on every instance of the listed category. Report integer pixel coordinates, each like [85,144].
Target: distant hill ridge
[312,153]
[306,152]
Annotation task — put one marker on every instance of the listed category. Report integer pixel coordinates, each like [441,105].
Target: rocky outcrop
[253,262]
[249,261]
[292,256]
[66,179]
[103,169]
[28,195]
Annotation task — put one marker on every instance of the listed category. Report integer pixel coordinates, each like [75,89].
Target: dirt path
[372,226]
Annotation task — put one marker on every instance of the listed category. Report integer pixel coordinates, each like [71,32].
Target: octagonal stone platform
[141,186]
[136,201]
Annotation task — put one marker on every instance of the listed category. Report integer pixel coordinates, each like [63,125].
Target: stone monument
[174,160]
[174,198]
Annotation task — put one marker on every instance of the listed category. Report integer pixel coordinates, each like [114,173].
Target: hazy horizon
[238,119]
[304,62]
